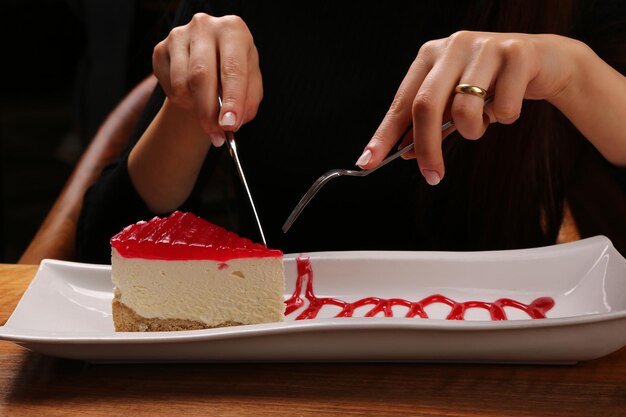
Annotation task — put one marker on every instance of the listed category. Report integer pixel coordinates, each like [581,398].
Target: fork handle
[408,147]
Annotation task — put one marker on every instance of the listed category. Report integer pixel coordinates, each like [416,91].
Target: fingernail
[228,119]
[364,158]
[431,177]
[217,139]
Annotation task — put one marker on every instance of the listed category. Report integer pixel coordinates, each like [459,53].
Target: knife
[232,146]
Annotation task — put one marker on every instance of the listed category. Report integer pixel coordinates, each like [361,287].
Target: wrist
[182,119]
[593,100]
[165,162]
[575,68]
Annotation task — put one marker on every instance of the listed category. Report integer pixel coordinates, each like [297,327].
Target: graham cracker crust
[126,319]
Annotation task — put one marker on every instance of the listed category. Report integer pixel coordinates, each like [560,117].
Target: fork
[334,173]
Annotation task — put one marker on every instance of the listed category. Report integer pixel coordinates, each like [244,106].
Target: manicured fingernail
[217,139]
[431,177]
[229,119]
[364,158]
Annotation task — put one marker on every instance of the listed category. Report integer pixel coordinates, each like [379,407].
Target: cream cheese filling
[243,291]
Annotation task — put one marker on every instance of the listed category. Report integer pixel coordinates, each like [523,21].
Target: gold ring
[471,89]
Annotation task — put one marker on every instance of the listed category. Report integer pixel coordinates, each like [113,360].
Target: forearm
[595,102]
[165,163]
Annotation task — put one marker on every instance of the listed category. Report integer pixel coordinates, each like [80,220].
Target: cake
[182,272]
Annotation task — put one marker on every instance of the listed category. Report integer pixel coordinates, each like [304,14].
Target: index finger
[234,52]
[397,118]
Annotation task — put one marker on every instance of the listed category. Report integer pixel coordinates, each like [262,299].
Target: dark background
[65,63]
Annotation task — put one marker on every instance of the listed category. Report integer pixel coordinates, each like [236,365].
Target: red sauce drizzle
[536,310]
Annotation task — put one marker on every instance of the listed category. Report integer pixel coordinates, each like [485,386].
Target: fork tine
[317,185]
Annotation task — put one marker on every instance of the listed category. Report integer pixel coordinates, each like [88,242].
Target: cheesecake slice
[182,273]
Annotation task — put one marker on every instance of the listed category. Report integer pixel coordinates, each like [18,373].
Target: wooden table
[35,385]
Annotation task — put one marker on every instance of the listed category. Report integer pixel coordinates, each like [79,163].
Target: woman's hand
[207,58]
[510,66]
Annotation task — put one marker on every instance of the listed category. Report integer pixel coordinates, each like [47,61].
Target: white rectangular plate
[66,311]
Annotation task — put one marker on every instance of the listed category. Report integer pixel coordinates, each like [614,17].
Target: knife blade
[232,147]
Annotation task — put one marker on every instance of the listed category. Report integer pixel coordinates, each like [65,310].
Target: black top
[330,71]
